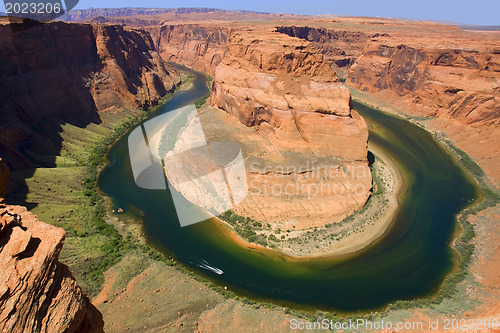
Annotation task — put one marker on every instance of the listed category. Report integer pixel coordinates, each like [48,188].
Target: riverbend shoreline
[357,231]
[218,242]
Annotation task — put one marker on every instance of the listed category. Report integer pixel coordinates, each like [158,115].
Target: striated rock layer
[283,85]
[201,47]
[313,145]
[57,72]
[339,47]
[462,83]
[37,292]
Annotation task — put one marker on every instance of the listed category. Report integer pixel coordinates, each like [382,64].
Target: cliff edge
[37,292]
[56,73]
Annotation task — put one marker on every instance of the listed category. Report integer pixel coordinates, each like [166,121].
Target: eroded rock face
[37,292]
[4,177]
[132,69]
[57,72]
[460,83]
[283,85]
[310,168]
[201,47]
[340,47]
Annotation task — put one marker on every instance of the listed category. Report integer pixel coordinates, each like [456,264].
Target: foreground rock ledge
[37,292]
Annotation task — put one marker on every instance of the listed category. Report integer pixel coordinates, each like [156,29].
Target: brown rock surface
[58,72]
[340,47]
[200,46]
[37,292]
[283,85]
[460,83]
[299,116]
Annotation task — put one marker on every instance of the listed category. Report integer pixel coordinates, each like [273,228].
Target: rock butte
[283,87]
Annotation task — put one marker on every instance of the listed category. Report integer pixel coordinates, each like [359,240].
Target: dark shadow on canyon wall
[44,83]
[371,158]
[58,73]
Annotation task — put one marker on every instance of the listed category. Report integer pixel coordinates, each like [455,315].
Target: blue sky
[480,12]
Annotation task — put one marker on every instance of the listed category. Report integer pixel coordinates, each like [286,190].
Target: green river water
[410,260]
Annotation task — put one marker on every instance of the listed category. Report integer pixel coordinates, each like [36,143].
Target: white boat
[206,266]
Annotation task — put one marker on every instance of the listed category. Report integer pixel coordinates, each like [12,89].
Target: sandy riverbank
[356,231]
[336,236]
[484,266]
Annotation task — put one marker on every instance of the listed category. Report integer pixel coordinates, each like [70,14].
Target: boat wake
[205,265]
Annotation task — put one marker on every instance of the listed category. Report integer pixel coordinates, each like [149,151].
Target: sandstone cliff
[454,82]
[339,47]
[284,86]
[201,47]
[37,292]
[57,72]
[460,83]
[312,147]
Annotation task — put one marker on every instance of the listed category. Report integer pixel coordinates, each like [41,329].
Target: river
[410,260]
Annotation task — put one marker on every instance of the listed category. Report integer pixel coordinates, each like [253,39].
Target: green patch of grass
[245,227]
[131,266]
[67,196]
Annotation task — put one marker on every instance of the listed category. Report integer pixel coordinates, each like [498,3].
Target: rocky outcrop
[339,47]
[312,145]
[201,47]
[58,72]
[458,83]
[37,292]
[284,86]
